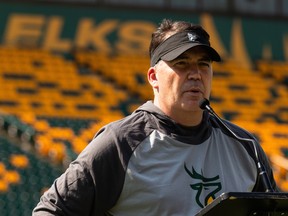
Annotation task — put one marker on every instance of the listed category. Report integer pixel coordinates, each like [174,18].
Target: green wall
[62,28]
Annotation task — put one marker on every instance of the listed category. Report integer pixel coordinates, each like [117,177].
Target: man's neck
[185,118]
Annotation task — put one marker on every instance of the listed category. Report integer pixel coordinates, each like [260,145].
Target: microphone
[205,104]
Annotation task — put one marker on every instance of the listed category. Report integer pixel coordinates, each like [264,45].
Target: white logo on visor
[192,37]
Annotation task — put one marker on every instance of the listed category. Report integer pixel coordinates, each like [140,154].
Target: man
[169,157]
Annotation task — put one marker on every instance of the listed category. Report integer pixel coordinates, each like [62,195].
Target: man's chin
[191,105]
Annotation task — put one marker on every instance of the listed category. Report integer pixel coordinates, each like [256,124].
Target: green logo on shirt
[206,187]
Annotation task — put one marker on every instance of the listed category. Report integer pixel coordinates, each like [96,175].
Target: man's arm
[92,183]
[71,194]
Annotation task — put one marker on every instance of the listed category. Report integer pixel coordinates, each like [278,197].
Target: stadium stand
[58,104]
[47,104]
[126,70]
[275,69]
[52,104]
[50,93]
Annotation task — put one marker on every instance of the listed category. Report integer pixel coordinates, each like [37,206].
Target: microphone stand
[205,104]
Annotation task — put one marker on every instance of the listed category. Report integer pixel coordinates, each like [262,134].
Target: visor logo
[192,37]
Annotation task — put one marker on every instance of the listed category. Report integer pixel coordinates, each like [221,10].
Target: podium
[247,203]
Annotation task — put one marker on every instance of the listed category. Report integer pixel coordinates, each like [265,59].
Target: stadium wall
[62,28]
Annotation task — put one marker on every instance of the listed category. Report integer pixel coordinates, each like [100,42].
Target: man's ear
[152,78]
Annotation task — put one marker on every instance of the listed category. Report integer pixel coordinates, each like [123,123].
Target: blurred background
[69,67]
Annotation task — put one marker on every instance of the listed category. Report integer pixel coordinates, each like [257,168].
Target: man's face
[179,85]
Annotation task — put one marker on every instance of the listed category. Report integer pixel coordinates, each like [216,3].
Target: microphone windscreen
[204,103]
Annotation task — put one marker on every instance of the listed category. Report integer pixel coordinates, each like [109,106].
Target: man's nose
[194,72]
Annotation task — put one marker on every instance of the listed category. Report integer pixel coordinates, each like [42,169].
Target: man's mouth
[194,90]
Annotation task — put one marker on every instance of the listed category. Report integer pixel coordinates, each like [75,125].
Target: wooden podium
[247,203]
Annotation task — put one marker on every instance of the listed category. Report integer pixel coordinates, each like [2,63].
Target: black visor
[178,43]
